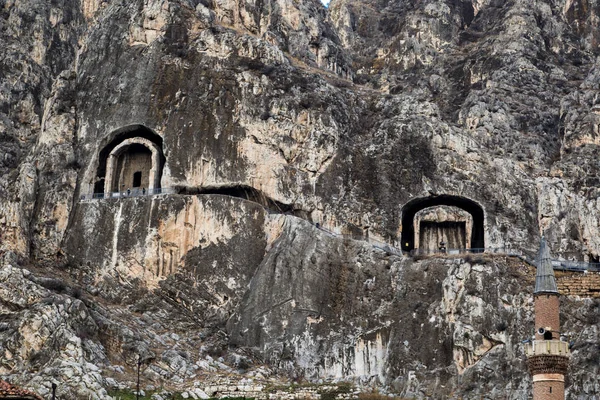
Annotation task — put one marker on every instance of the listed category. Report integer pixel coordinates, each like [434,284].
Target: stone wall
[579,284]
[233,388]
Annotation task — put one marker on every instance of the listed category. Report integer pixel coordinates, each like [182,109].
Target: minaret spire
[544,277]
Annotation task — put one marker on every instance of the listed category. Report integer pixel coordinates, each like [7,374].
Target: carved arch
[119,141]
[111,163]
[410,209]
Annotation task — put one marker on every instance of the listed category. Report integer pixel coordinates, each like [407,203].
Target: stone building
[8,391]
[547,355]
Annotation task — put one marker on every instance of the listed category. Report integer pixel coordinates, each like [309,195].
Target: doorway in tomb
[137,179]
[133,168]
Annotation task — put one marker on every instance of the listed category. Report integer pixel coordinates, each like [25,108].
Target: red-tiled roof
[8,391]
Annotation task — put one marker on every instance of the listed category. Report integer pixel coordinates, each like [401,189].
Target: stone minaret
[547,356]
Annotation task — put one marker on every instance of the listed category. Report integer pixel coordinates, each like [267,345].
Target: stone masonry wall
[578,284]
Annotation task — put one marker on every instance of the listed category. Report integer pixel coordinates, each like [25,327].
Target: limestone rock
[268,118]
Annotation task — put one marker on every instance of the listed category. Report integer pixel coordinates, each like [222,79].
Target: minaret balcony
[547,347]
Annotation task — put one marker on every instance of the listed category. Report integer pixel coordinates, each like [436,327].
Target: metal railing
[562,265]
[373,242]
[547,347]
[566,265]
[385,247]
[557,264]
[489,250]
[136,192]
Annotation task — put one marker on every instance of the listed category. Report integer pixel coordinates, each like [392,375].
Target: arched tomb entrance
[133,164]
[456,220]
[133,160]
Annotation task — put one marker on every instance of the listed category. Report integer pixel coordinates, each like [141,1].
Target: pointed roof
[544,276]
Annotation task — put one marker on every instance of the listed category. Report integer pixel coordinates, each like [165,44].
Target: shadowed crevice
[247,193]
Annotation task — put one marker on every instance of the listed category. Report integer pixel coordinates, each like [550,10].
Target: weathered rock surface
[485,114]
[336,116]
[377,320]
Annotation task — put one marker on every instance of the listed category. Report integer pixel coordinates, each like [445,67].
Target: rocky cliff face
[425,329]
[273,116]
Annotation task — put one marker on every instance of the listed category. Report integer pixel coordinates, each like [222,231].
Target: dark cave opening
[244,192]
[411,208]
[137,179]
[468,13]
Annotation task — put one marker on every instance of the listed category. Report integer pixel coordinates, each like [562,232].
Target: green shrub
[372,396]
[342,388]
